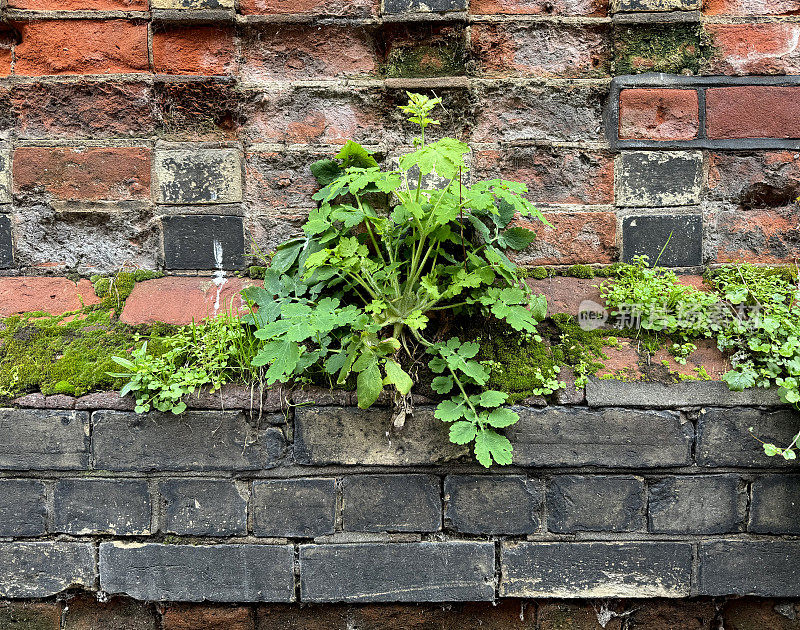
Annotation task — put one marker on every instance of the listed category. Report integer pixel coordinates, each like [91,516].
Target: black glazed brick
[203,242]
[648,236]
[6,243]
[413,6]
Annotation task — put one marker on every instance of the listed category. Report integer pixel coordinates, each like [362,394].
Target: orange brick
[80,5]
[83,174]
[52,295]
[537,7]
[576,237]
[5,61]
[57,47]
[658,114]
[751,7]
[204,50]
[753,112]
[756,48]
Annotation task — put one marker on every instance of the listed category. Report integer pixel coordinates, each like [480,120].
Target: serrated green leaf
[353,154]
[444,156]
[492,398]
[395,375]
[462,432]
[490,445]
[502,417]
[442,384]
[369,385]
[518,238]
[325,171]
[449,410]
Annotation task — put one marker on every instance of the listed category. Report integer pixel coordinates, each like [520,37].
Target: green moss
[257,272]
[677,49]
[67,354]
[580,271]
[537,273]
[445,57]
[609,271]
[113,291]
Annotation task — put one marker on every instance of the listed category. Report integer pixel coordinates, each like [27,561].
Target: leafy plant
[212,353]
[386,252]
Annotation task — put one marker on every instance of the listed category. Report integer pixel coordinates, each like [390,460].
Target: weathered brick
[79,5]
[301,508]
[87,613]
[753,112]
[750,7]
[102,506]
[191,299]
[204,50]
[552,175]
[537,7]
[203,507]
[22,508]
[83,174]
[192,4]
[43,440]
[397,572]
[657,178]
[658,114]
[307,616]
[410,6]
[752,614]
[199,176]
[281,179]
[618,6]
[88,237]
[763,180]
[338,8]
[195,616]
[192,573]
[758,236]
[579,503]
[23,294]
[774,506]
[564,436]
[595,569]
[42,569]
[30,615]
[199,440]
[54,47]
[575,237]
[397,503]
[290,52]
[5,175]
[533,50]
[516,113]
[697,504]
[6,55]
[755,48]
[203,242]
[567,615]
[488,504]
[335,435]
[96,109]
[749,567]
[724,439]
[647,235]
[609,392]
[686,614]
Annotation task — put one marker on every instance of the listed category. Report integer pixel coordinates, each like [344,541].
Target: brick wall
[143,133]
[633,491]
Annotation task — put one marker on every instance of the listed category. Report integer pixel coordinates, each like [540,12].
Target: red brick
[83,174]
[86,613]
[339,8]
[753,112]
[573,176]
[658,115]
[532,50]
[181,300]
[565,294]
[307,52]
[576,237]
[757,236]
[197,616]
[82,109]
[769,179]
[755,614]
[57,47]
[5,60]
[573,616]
[24,294]
[756,48]
[79,5]
[281,179]
[751,7]
[204,50]
[539,7]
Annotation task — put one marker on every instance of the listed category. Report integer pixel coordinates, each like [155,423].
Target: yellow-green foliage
[114,290]
[66,354]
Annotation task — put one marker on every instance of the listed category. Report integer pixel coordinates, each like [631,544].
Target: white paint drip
[219,274]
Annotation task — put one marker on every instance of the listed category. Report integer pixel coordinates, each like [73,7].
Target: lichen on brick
[676,49]
[429,52]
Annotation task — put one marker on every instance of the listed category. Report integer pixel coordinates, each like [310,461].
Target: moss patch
[678,49]
[114,290]
[66,354]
